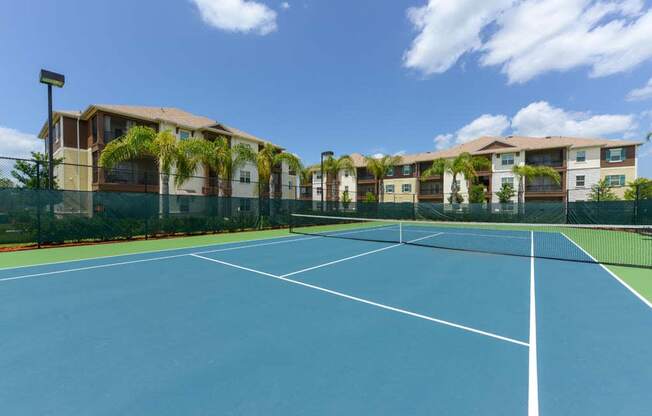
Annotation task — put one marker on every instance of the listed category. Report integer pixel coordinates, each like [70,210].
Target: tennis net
[605,244]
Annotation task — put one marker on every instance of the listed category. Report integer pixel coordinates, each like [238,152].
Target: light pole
[51,78]
[327,153]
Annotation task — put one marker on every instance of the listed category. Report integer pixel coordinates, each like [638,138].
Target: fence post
[567,205]
[414,207]
[38,205]
[636,203]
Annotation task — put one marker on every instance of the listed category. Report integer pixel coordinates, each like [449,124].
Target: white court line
[469,234]
[533,378]
[341,260]
[356,256]
[369,302]
[163,250]
[79,269]
[99,266]
[621,281]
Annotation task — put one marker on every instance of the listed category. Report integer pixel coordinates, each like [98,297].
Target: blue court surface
[307,325]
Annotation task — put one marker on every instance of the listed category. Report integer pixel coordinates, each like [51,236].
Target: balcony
[430,190]
[129,180]
[543,188]
[553,159]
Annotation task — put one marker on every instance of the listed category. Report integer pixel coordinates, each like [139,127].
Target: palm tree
[379,166]
[333,166]
[267,159]
[464,164]
[219,157]
[529,172]
[163,147]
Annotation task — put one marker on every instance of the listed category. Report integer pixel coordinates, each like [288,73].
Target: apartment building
[80,137]
[580,162]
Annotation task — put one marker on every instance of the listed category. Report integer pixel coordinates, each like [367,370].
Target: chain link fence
[32,214]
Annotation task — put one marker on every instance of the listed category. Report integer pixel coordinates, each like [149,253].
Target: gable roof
[486,145]
[169,115]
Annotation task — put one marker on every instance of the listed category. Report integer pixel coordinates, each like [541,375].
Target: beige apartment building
[581,163]
[80,137]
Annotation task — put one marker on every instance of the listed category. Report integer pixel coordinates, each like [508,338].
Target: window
[245,205]
[289,184]
[580,181]
[346,189]
[615,155]
[615,180]
[318,176]
[346,173]
[318,191]
[407,170]
[507,159]
[390,172]
[184,134]
[245,176]
[389,189]
[507,179]
[406,188]
[580,156]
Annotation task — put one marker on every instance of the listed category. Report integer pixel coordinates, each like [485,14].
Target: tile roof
[170,115]
[508,144]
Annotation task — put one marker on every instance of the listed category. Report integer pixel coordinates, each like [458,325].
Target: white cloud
[285,5]
[448,29]
[14,143]
[642,93]
[238,15]
[443,141]
[532,37]
[540,119]
[485,125]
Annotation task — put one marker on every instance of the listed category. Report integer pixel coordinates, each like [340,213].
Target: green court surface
[59,254]
[597,243]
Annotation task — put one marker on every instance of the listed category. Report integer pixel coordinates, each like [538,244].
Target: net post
[400,232]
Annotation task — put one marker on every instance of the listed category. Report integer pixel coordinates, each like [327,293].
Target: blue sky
[365,76]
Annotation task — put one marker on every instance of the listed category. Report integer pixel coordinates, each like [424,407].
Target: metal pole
[50,141]
[321,172]
[38,205]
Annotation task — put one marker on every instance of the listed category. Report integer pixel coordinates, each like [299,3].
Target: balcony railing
[430,191]
[543,188]
[553,163]
[126,176]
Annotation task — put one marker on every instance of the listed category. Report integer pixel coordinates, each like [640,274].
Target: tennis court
[385,318]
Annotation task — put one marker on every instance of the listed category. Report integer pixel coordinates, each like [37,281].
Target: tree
[506,193]
[370,197]
[346,199]
[163,147]
[528,172]
[477,194]
[640,188]
[379,166]
[33,173]
[602,191]
[6,183]
[333,166]
[217,156]
[649,136]
[269,158]
[464,164]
